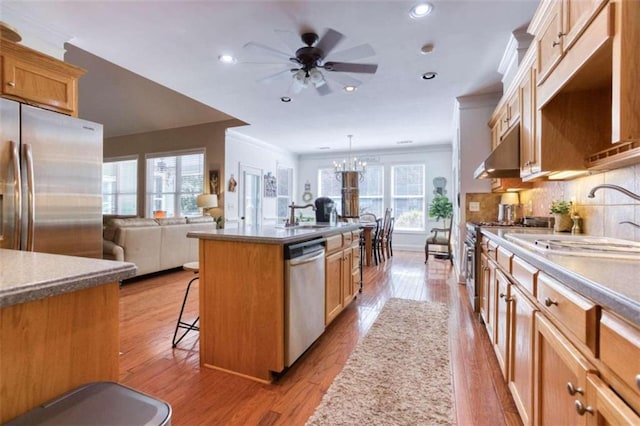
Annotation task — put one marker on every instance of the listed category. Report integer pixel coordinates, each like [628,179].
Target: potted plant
[441,208]
[560,211]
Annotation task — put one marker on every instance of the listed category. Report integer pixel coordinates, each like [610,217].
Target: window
[407,196]
[330,186]
[370,189]
[173,183]
[120,186]
[284,177]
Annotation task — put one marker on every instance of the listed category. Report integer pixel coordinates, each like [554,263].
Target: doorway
[251,196]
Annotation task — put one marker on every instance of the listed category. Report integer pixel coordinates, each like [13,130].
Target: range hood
[504,160]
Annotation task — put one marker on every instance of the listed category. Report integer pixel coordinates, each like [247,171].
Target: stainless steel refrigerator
[50,182]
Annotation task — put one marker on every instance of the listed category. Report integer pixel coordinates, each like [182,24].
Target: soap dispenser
[575,229]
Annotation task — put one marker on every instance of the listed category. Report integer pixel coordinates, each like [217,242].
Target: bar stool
[195,267]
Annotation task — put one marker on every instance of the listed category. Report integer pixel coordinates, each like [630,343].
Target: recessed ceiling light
[285,99]
[227,59]
[404,142]
[429,75]
[324,148]
[349,89]
[420,10]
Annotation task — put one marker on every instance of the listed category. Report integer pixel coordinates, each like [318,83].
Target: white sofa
[154,244]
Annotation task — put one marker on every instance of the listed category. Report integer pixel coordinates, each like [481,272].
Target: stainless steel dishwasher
[304,296]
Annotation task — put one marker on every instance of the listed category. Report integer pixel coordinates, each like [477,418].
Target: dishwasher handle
[307,258]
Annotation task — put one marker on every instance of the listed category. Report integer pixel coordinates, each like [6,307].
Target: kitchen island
[58,326]
[242,296]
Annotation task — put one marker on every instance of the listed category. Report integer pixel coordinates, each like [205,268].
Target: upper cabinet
[37,79]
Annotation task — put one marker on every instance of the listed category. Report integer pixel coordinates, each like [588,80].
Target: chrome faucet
[592,193]
[292,215]
[628,222]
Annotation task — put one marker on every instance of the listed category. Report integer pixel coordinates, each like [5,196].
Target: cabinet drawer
[608,408]
[346,239]
[525,274]
[574,312]
[334,243]
[492,248]
[620,350]
[504,258]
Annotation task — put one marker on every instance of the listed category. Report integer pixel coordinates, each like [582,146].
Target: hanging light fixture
[350,165]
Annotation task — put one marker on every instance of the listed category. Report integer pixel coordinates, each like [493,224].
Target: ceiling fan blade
[323,90]
[350,67]
[354,53]
[261,48]
[273,77]
[329,41]
[343,79]
[290,39]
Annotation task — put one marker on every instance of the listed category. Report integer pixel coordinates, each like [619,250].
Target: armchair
[439,237]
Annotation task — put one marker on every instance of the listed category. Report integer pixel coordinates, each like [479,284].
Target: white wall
[241,150]
[436,158]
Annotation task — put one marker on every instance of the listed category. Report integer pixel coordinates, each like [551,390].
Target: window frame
[116,195]
[393,196]
[177,194]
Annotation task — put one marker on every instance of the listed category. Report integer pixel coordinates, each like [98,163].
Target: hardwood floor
[149,308]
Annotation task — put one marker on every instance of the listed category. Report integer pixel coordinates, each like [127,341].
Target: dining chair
[374,241]
[439,237]
[390,237]
[382,235]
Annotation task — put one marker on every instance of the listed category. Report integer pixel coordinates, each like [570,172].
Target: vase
[562,223]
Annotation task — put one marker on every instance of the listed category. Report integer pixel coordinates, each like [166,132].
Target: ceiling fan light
[420,10]
[300,76]
[316,77]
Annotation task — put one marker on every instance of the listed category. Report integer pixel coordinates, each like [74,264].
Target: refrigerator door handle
[28,154]
[17,201]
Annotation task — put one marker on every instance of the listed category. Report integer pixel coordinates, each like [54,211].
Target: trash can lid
[99,403]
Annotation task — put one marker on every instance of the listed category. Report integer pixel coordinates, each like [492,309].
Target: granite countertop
[274,234]
[27,276]
[612,283]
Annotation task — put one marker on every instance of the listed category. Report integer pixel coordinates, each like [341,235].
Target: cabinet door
[347,282]
[502,326]
[576,14]
[486,274]
[528,150]
[492,296]
[521,353]
[333,286]
[549,42]
[39,85]
[503,122]
[560,376]
[604,406]
[513,106]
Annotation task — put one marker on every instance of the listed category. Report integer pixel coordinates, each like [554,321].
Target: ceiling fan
[309,66]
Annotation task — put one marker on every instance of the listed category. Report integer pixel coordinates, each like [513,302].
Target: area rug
[399,373]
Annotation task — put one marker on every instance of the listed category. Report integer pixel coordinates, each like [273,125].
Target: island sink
[578,245]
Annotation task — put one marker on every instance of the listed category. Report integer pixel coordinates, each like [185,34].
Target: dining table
[367,230]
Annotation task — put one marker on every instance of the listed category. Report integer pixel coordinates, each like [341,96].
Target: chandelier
[350,165]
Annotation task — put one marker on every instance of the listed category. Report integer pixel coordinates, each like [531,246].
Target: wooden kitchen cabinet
[486,290]
[520,353]
[604,406]
[333,286]
[560,377]
[562,23]
[529,149]
[620,356]
[502,311]
[31,77]
[340,273]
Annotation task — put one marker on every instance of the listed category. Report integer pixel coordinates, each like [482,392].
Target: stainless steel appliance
[471,259]
[50,182]
[304,296]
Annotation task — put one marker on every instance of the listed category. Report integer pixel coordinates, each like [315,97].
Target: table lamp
[207,201]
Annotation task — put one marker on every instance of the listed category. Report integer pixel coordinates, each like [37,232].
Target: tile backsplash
[601,215]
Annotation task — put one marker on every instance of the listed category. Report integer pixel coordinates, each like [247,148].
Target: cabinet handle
[555,43]
[506,299]
[11,84]
[574,390]
[581,409]
[561,34]
[638,381]
[548,302]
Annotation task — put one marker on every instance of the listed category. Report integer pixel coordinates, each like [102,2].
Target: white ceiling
[177,43]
